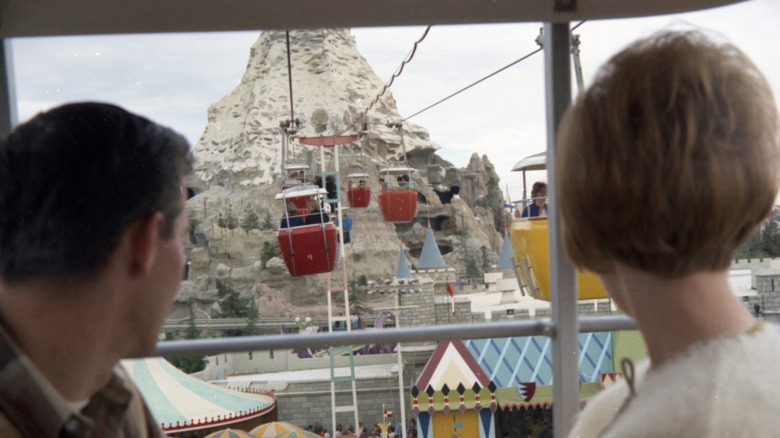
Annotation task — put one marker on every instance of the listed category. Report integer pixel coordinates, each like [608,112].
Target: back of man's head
[73,179]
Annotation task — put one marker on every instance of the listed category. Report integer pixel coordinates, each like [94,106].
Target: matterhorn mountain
[239,168]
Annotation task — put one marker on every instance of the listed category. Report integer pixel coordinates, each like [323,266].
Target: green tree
[268,252]
[189,364]
[232,306]
[231,221]
[250,221]
[470,259]
[251,325]
[356,302]
[268,221]
[764,242]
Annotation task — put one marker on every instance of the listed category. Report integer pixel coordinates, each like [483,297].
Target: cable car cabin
[358,193]
[296,175]
[530,247]
[306,249]
[397,203]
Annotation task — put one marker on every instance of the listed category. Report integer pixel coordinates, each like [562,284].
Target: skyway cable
[473,84]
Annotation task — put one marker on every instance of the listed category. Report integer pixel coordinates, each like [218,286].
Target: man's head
[74,179]
[291,209]
[669,160]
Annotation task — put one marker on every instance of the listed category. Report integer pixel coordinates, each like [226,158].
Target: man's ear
[142,236]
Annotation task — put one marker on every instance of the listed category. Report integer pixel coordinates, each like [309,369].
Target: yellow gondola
[530,248]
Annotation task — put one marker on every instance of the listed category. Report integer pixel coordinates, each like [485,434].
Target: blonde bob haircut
[670,159]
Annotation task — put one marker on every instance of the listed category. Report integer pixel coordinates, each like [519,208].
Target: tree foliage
[189,364]
[269,251]
[250,221]
[268,221]
[765,242]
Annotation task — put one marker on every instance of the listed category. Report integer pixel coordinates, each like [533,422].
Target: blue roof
[431,256]
[403,268]
[505,258]
[509,362]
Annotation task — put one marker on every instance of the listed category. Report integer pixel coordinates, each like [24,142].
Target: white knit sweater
[729,387]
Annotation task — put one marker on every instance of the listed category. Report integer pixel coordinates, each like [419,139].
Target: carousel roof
[180,402]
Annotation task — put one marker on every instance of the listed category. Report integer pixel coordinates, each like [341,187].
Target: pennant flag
[449,291]
[388,413]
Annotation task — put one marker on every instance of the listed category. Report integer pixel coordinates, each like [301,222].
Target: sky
[173,78]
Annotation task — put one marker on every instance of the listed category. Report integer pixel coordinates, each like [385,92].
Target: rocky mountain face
[239,169]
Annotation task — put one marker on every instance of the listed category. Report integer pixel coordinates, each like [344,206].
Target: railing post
[8,114]
[562,279]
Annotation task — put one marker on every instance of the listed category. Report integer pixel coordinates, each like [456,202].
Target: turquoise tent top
[403,268]
[505,258]
[180,402]
[509,362]
[430,258]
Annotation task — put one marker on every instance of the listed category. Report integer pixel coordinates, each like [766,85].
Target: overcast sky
[174,78]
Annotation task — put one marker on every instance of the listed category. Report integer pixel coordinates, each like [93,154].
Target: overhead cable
[289,77]
[486,77]
[396,74]
[474,83]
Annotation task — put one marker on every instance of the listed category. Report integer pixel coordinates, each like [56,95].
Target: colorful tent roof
[505,258]
[181,403]
[229,433]
[298,434]
[510,372]
[511,361]
[430,257]
[270,430]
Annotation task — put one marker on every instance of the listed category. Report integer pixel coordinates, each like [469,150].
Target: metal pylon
[346,319]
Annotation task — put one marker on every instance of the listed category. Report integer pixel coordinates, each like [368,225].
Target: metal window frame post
[8,113]
[563,294]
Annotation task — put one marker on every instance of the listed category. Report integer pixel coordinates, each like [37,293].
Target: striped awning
[181,403]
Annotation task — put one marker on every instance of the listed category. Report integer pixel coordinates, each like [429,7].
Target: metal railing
[406,334]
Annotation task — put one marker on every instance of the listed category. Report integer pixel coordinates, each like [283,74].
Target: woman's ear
[142,238]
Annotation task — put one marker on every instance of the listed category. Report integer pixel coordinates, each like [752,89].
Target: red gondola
[398,204]
[307,249]
[358,193]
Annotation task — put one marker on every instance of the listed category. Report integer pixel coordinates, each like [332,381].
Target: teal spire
[403,268]
[505,258]
[430,258]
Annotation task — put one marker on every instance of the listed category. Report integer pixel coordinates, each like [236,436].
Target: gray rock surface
[238,170]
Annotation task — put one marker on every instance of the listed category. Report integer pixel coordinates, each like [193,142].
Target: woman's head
[312,204]
[669,160]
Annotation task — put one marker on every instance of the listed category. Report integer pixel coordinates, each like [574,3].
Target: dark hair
[538,187]
[73,179]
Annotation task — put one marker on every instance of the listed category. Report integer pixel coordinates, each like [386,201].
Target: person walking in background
[664,167]
[92,229]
